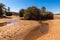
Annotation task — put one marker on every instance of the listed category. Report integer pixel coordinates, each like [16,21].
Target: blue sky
[16,5]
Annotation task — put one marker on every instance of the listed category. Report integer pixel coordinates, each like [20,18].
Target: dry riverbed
[30,29]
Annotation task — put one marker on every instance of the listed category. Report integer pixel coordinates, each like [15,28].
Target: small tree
[32,13]
[45,14]
[21,12]
[43,9]
[8,9]
[1,9]
[8,13]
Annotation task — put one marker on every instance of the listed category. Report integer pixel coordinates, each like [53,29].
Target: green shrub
[32,13]
[1,9]
[46,15]
[8,14]
[21,12]
[50,15]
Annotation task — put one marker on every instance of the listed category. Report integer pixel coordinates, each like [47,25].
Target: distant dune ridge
[31,30]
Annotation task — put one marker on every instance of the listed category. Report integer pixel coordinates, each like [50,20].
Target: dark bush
[1,14]
[32,13]
[50,15]
[46,16]
[21,12]
[1,9]
[8,14]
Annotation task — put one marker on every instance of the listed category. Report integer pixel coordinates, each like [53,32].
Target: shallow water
[11,22]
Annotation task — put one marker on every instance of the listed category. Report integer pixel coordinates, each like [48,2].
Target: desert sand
[30,29]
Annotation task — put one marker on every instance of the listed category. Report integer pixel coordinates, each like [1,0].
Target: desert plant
[8,14]
[8,9]
[32,13]
[21,12]
[50,15]
[45,14]
[43,9]
[1,7]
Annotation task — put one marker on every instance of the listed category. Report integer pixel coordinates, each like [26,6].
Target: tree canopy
[34,13]
[2,5]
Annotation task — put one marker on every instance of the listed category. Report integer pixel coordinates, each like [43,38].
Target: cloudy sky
[16,5]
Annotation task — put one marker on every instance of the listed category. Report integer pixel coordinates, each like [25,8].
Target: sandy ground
[31,30]
[9,19]
[57,16]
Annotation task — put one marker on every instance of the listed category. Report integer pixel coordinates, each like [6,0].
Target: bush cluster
[2,6]
[33,13]
[21,12]
[8,14]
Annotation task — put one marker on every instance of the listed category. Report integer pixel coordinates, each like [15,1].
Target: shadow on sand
[38,32]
